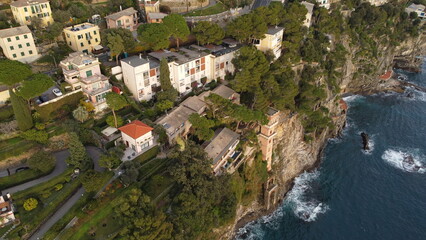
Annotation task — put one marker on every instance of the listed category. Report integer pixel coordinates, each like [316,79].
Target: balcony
[70,73]
[97,91]
[94,78]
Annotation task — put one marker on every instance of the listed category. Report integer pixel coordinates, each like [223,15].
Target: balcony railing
[98,90]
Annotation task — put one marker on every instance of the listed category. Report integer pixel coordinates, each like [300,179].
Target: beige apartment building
[83,37]
[18,44]
[126,18]
[25,10]
[141,76]
[82,71]
[272,41]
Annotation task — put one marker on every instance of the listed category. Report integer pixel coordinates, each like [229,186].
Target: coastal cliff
[293,155]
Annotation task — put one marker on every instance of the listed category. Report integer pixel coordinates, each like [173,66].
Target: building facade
[25,10]
[6,210]
[137,136]
[154,17]
[83,37]
[150,6]
[189,68]
[221,148]
[127,18]
[267,134]
[82,71]
[18,44]
[272,41]
[141,76]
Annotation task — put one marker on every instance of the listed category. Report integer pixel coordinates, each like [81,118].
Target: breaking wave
[352,98]
[406,160]
[303,206]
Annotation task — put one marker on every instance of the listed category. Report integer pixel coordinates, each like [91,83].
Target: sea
[357,194]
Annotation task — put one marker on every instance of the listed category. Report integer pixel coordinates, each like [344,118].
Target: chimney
[140,55]
[121,9]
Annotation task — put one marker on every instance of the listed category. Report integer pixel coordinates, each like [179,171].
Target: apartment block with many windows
[18,44]
[189,68]
[82,71]
[83,37]
[141,76]
[25,10]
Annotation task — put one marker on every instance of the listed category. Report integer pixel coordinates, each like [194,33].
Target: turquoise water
[356,194]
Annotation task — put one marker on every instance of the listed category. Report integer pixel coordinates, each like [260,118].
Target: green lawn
[148,155]
[14,147]
[215,9]
[22,177]
[49,199]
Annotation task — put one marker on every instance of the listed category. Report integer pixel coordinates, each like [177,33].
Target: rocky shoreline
[257,211]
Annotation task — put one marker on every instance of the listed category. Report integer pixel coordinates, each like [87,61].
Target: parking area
[47,95]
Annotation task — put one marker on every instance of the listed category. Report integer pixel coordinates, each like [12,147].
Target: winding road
[60,167]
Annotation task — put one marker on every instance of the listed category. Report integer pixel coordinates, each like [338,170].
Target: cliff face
[292,155]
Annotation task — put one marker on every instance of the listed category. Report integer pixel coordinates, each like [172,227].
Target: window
[146,82]
[11,48]
[22,54]
[25,36]
[27,19]
[19,45]
[28,44]
[145,75]
[89,73]
[70,44]
[25,9]
[14,55]
[96,40]
[94,32]
[119,23]
[127,20]
[9,40]
[81,44]
[30,52]
[70,67]
[17,37]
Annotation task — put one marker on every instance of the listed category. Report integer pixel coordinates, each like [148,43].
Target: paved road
[95,153]
[60,167]
[260,3]
[57,215]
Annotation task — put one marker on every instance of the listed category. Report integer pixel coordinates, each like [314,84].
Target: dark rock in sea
[365,145]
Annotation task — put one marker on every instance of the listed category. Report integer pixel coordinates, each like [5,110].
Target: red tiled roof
[136,129]
[387,75]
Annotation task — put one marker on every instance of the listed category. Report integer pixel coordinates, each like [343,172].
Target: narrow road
[60,167]
[58,215]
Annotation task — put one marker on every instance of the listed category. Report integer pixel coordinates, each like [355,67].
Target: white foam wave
[406,160]
[352,98]
[304,207]
[412,94]
[371,143]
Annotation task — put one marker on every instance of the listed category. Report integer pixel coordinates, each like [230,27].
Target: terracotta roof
[387,75]
[136,129]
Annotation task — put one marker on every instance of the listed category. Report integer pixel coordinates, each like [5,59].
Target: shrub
[46,194]
[6,113]
[53,109]
[110,121]
[40,126]
[58,186]
[8,127]
[57,145]
[30,204]
[41,161]
[34,135]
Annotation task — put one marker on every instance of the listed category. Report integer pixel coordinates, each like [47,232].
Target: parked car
[44,98]
[57,92]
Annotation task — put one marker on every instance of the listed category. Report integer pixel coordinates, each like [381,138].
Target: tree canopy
[116,45]
[12,72]
[116,102]
[177,26]
[41,161]
[202,126]
[154,36]
[208,32]
[125,34]
[35,85]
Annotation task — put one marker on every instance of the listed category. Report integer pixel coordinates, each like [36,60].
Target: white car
[57,92]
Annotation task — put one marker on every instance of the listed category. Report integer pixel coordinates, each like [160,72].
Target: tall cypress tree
[169,92]
[22,111]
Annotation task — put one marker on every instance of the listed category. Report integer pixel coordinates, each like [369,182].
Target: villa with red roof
[138,138]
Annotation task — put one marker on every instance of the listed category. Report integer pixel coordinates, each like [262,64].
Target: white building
[141,76]
[417,8]
[308,19]
[138,138]
[377,2]
[82,71]
[272,41]
[189,68]
[18,44]
[324,3]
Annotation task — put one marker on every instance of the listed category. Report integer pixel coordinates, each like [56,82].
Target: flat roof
[79,58]
[274,30]
[175,119]
[221,142]
[23,3]
[81,27]
[10,32]
[153,15]
[136,61]
[184,55]
[126,12]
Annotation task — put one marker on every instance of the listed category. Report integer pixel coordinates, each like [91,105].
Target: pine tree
[169,92]
[78,156]
[22,111]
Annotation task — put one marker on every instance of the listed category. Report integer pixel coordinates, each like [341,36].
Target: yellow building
[150,6]
[83,37]
[18,44]
[25,10]
[272,41]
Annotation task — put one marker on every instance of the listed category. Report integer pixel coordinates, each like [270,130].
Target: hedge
[6,113]
[47,112]
[148,155]
[22,177]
